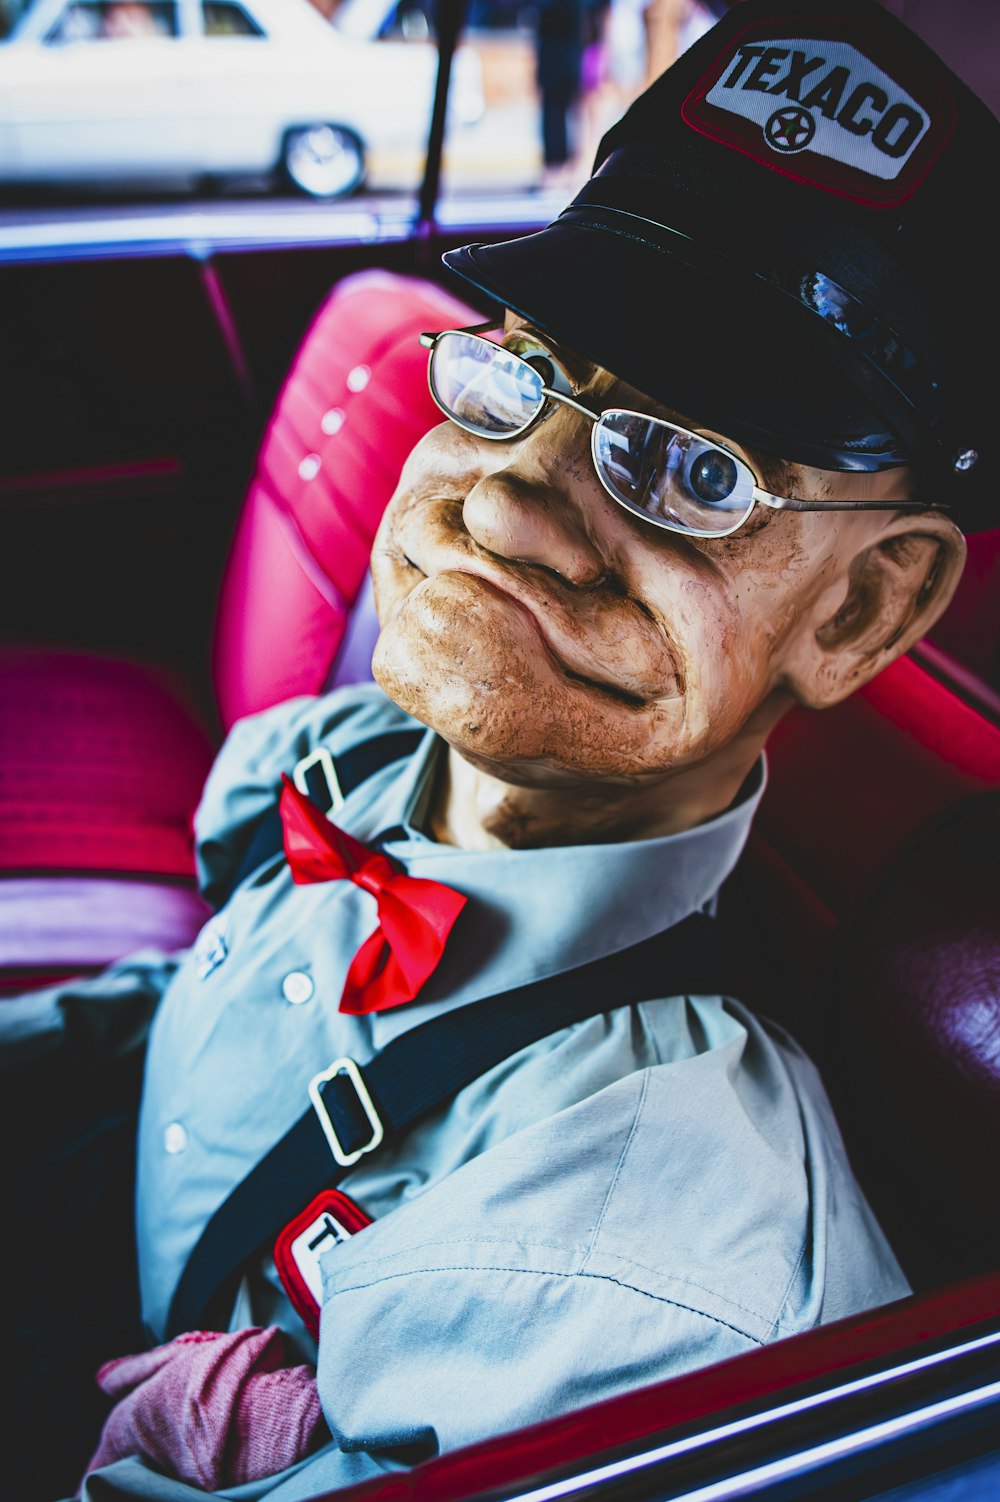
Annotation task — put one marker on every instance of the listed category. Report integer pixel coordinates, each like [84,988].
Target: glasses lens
[485,388]
[671,476]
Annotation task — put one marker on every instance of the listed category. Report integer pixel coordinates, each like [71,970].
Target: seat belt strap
[355,1108]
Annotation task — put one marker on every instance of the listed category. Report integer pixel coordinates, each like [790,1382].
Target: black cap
[788,236]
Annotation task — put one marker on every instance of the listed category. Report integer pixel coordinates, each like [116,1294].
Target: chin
[491,690]
[474,688]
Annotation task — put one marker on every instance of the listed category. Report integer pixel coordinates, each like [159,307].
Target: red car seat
[102,761]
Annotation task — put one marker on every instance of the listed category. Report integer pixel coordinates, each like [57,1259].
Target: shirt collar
[535,913]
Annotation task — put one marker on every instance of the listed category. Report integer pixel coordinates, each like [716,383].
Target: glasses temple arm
[428,341]
[788,503]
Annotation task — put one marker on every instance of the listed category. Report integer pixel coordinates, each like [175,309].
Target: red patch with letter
[329,1218]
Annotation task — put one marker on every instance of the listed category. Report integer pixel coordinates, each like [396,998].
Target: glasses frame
[759,495]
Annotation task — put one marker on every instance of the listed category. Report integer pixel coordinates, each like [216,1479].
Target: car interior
[199,442]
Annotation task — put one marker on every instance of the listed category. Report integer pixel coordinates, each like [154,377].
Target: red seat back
[906,1023]
[850,789]
[352,406]
[970,628]
[102,761]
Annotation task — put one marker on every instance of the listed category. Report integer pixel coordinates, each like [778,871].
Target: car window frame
[259,34]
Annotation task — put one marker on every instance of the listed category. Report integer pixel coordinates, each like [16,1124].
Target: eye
[520,342]
[544,366]
[712,476]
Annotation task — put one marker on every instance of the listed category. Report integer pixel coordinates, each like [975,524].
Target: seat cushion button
[297,987]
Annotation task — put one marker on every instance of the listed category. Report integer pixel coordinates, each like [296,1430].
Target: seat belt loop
[326,794]
[322,774]
[345,1069]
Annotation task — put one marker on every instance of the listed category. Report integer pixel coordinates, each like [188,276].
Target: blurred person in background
[559,39]
[628,43]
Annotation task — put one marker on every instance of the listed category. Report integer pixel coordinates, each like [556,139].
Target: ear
[892,591]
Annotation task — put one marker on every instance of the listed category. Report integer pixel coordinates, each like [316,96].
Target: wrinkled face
[547,633]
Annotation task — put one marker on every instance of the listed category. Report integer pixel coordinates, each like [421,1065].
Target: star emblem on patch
[790,129]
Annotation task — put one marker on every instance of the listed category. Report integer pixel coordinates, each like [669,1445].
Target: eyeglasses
[665,474]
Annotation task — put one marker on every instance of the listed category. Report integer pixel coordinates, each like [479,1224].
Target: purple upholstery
[354,659]
[70,925]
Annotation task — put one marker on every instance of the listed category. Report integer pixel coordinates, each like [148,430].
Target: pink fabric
[212,1410]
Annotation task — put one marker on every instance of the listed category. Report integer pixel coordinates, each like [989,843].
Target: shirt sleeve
[506,1294]
[674,1219]
[93,1020]
[431,1360]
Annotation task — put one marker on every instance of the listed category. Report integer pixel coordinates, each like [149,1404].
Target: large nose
[540,505]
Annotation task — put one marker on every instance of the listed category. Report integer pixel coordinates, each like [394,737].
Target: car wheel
[323,161]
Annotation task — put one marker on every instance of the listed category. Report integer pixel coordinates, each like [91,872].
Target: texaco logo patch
[814,105]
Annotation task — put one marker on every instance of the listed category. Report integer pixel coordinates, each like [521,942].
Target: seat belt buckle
[315,776]
[326,1222]
[350,1068]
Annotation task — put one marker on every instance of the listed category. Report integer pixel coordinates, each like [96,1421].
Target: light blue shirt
[642,1193]
[231,1057]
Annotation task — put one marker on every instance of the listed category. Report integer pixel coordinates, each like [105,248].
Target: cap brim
[715,355]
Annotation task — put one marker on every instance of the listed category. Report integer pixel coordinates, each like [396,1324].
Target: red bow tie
[415,915]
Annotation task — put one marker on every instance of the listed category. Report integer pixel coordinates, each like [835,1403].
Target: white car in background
[132,91]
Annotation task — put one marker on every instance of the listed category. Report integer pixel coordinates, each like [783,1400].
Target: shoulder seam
[548,1273]
[618,1168]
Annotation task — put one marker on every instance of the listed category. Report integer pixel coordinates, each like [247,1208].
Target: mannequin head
[765,256]
[556,641]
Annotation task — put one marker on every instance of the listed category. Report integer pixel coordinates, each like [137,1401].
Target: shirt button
[310,467]
[175,1138]
[358,378]
[331,422]
[297,987]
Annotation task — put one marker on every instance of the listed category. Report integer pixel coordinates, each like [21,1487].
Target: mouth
[599,637]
